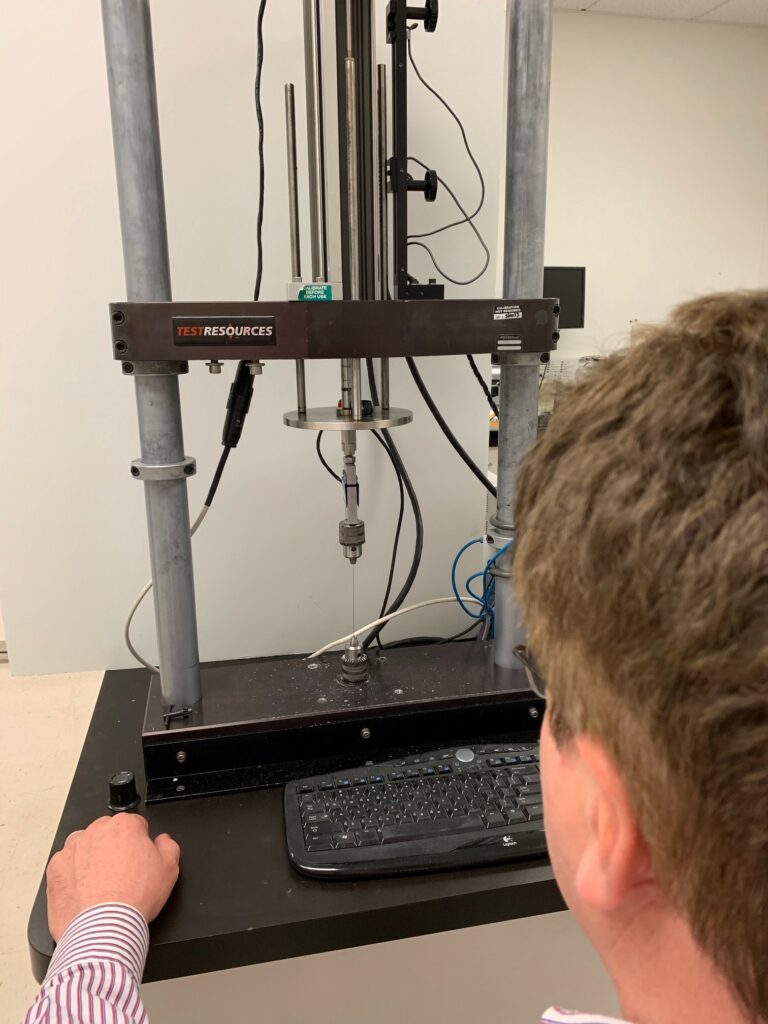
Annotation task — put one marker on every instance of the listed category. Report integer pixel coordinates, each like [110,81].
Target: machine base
[265,721]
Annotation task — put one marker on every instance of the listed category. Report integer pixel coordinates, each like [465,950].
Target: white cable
[392,615]
[144,591]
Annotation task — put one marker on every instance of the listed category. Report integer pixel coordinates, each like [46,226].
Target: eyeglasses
[532,674]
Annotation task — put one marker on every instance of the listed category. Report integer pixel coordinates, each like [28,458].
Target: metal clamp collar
[171,471]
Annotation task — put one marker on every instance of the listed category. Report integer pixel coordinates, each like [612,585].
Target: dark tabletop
[238,900]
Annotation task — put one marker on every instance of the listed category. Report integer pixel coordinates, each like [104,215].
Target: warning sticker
[507,312]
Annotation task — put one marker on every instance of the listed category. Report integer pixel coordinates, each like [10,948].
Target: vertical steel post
[529,52]
[315,139]
[136,136]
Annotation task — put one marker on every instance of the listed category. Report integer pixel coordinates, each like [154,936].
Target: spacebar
[426,829]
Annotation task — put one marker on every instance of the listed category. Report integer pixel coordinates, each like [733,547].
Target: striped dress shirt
[96,971]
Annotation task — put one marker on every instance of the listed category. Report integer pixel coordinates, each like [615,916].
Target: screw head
[118,317]
[365,733]
[134,470]
[189,470]
[121,346]
[313,665]
[127,367]
[181,756]
[533,712]
[556,336]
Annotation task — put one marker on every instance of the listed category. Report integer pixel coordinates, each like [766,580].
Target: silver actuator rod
[529,53]
[136,137]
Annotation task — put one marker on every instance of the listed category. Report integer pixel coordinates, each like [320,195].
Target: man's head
[642,570]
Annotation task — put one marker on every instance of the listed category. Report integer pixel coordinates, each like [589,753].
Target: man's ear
[615,857]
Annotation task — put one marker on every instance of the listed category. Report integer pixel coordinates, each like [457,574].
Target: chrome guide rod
[529,52]
[318,213]
[382,276]
[293,217]
[293,181]
[136,137]
[353,206]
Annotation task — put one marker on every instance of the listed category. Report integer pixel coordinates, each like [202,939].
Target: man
[642,571]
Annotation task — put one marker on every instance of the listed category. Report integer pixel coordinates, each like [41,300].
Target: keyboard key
[396,776]
[427,829]
[345,841]
[412,773]
[513,816]
[377,778]
[534,812]
[327,785]
[305,788]
[360,781]
[369,837]
[495,762]
[321,828]
[316,844]
[428,771]
[343,783]
[444,769]
[493,818]
[315,819]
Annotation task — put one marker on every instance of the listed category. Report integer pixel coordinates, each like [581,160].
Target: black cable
[467,219]
[418,546]
[217,475]
[419,641]
[260,120]
[239,400]
[457,119]
[398,528]
[483,385]
[454,441]
[322,458]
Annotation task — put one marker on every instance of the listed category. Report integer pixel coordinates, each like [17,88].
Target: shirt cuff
[109,931]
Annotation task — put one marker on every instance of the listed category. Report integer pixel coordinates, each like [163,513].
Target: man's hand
[112,861]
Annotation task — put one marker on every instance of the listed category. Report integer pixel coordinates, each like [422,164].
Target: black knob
[122,792]
[430,186]
[430,22]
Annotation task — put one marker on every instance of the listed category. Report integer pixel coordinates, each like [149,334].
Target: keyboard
[453,808]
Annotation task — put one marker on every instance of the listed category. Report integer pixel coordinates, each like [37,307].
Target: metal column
[529,52]
[133,102]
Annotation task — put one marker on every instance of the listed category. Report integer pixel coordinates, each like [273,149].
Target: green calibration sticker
[316,293]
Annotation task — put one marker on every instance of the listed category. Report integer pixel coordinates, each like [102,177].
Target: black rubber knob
[430,186]
[123,795]
[430,21]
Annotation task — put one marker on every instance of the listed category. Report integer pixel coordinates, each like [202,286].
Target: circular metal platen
[328,417]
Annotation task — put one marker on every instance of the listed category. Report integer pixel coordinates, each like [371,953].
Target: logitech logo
[508,841]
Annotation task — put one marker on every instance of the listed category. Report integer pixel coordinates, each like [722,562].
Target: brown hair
[642,570]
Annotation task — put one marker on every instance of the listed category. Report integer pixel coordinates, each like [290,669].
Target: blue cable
[456,594]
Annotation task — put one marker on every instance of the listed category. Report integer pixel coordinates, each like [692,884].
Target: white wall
[657,173]
[659,145]
[270,573]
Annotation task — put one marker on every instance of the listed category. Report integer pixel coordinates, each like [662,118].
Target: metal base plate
[266,721]
[327,417]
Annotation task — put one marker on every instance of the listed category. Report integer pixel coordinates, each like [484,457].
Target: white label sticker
[508,312]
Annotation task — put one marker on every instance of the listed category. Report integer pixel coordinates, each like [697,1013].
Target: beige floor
[43,721]
[498,974]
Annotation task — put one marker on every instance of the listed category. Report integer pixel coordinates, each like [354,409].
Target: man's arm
[103,888]
[96,970]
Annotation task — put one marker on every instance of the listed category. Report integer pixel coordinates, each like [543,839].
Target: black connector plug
[238,404]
